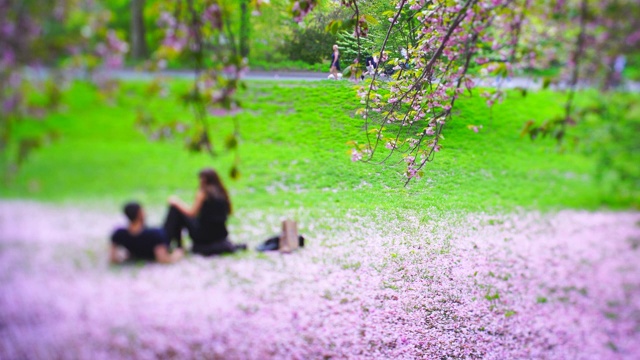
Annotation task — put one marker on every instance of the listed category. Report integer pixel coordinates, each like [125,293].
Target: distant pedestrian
[371,63]
[335,62]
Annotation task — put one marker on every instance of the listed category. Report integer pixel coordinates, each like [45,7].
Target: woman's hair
[213,187]
[335,48]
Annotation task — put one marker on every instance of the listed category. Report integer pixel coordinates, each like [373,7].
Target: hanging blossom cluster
[26,41]
[175,36]
[112,50]
[519,286]
[196,33]
[21,40]
[30,40]
[16,32]
[610,30]
[301,8]
[199,34]
[407,113]
[359,21]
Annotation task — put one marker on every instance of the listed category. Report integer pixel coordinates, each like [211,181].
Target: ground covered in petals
[563,285]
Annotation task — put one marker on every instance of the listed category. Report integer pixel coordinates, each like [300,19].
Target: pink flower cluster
[112,50]
[301,8]
[379,285]
[431,75]
[175,34]
[502,36]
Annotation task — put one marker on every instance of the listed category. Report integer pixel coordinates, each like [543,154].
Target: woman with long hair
[205,219]
[335,62]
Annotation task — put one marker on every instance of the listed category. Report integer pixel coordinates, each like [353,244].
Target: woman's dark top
[140,246]
[211,221]
[335,61]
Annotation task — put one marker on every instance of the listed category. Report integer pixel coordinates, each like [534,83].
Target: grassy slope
[294,155]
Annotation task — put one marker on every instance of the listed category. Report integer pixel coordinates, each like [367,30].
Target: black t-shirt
[141,245]
[211,222]
[370,62]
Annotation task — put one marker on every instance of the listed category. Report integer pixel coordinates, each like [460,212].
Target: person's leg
[174,223]
[220,247]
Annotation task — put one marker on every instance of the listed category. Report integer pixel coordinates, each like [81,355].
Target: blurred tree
[311,42]
[35,34]
[351,47]
[245,26]
[139,48]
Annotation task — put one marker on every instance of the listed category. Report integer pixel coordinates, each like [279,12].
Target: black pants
[220,247]
[177,221]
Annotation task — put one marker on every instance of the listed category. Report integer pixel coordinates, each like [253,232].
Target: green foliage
[632,69]
[293,154]
[269,32]
[311,43]
[401,37]
[352,48]
[613,123]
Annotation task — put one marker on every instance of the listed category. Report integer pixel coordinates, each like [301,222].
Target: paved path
[281,75]
[252,75]
[508,83]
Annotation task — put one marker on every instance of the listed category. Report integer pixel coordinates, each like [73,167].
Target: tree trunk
[138,34]
[244,28]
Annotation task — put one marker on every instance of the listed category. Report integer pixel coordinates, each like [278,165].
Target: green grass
[259,64]
[293,155]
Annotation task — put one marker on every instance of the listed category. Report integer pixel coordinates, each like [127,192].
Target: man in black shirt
[371,64]
[142,242]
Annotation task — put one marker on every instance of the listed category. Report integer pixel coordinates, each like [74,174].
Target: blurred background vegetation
[277,42]
[293,135]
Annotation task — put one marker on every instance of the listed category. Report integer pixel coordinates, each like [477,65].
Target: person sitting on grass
[205,219]
[141,242]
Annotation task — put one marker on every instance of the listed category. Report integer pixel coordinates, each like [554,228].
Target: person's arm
[163,256]
[115,256]
[185,209]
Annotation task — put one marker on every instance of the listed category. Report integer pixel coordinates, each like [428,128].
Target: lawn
[293,154]
[505,249]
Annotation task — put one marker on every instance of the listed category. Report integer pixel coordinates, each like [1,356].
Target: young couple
[205,220]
